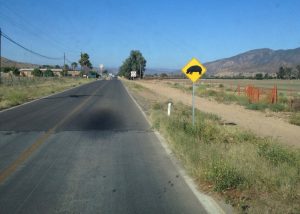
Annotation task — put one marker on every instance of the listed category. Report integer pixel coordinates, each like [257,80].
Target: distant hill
[10,63]
[248,63]
[254,61]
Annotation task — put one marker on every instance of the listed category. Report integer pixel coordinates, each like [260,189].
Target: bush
[277,154]
[6,69]
[257,106]
[224,177]
[15,71]
[49,73]
[37,72]
[277,107]
[295,119]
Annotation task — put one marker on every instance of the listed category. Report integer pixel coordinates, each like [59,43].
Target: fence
[256,94]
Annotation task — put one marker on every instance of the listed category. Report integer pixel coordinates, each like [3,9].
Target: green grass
[295,119]
[255,175]
[21,90]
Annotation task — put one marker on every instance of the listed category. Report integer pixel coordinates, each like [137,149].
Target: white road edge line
[23,104]
[209,204]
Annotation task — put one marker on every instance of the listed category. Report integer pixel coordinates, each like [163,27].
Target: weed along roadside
[26,89]
[253,174]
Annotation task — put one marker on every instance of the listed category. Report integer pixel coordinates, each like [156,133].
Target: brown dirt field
[258,122]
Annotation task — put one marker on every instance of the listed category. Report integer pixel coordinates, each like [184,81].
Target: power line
[29,50]
[20,22]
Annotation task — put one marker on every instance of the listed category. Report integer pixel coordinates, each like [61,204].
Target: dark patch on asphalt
[7,133]
[72,96]
[76,96]
[114,190]
[171,183]
[103,119]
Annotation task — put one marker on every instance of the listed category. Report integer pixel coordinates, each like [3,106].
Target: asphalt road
[87,150]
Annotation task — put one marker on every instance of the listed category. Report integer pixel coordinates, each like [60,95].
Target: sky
[168,33]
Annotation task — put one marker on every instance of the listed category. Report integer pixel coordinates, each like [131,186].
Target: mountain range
[247,64]
[254,61]
[11,63]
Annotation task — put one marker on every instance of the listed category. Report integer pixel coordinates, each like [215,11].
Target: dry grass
[255,175]
[25,90]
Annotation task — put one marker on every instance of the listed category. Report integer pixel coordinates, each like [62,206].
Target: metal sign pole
[193,103]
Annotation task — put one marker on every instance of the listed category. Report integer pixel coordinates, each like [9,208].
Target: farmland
[284,86]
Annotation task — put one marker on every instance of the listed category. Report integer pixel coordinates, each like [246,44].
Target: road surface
[87,150]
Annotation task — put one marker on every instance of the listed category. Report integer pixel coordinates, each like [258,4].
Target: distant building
[74,73]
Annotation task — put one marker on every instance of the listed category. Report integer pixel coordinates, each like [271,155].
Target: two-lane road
[87,150]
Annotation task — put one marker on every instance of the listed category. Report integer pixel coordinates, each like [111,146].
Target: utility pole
[0,56]
[64,67]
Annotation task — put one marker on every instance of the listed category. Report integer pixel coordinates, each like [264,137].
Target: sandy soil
[258,122]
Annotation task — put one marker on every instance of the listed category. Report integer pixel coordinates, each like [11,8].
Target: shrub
[15,71]
[295,119]
[256,106]
[277,107]
[49,73]
[277,154]
[224,176]
[37,72]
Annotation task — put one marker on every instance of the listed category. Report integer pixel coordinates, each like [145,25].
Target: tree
[163,75]
[57,66]
[135,62]
[37,72]
[84,61]
[15,71]
[74,65]
[298,71]
[288,73]
[66,67]
[94,74]
[266,76]
[48,73]
[105,72]
[6,69]
[259,76]
[281,73]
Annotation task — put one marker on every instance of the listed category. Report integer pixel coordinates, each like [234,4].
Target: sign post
[193,103]
[194,70]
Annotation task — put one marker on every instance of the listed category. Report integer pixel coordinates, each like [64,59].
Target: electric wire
[29,50]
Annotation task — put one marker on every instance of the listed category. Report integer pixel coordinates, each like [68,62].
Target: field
[284,86]
[235,91]
[254,174]
[15,91]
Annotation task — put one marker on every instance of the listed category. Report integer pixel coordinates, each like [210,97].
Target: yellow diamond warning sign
[194,70]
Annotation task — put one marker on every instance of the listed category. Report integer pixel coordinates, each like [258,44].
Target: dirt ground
[258,122]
